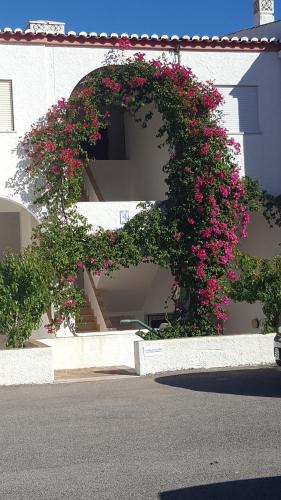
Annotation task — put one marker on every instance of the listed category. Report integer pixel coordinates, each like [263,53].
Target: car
[277,348]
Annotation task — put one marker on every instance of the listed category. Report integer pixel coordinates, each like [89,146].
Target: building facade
[42,64]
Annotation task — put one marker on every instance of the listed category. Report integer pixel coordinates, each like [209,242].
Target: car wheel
[278,362]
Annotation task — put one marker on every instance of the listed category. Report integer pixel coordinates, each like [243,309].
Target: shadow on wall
[21,184]
[263,382]
[259,120]
[266,488]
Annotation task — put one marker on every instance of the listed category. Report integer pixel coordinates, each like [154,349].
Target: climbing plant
[193,232]
[259,279]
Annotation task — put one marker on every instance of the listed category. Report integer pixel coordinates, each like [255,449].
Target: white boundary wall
[94,350]
[30,365]
[203,352]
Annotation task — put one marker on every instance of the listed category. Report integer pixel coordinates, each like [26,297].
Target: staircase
[87,321]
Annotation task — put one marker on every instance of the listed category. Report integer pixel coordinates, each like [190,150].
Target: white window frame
[11,103]
[253,131]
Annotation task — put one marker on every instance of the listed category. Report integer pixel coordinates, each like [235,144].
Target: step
[86,317]
[87,312]
[92,374]
[88,329]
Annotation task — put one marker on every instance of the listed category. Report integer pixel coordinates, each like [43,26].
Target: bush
[25,294]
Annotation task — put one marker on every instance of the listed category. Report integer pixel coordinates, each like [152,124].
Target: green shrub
[24,294]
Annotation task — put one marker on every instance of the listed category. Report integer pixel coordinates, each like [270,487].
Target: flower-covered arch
[194,232]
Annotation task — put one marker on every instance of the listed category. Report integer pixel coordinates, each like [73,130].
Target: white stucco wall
[42,74]
[50,73]
[261,151]
[107,214]
[31,365]
[94,350]
[202,352]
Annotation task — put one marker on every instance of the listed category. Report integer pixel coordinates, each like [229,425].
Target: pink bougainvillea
[205,214]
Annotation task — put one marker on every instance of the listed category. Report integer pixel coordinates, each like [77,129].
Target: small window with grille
[6,106]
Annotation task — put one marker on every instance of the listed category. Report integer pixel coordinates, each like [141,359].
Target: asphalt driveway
[212,435]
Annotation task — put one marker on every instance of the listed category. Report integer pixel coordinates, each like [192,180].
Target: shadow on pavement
[264,382]
[267,488]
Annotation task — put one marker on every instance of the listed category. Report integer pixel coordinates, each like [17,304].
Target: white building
[42,64]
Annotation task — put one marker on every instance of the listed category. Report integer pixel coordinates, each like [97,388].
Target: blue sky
[136,16]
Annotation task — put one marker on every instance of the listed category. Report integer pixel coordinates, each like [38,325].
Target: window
[6,106]
[240,109]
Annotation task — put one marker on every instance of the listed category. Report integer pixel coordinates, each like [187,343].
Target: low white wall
[94,350]
[30,365]
[155,356]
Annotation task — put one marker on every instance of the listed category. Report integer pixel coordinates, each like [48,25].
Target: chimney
[263,11]
[47,27]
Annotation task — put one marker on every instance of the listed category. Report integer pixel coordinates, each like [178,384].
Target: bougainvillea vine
[200,223]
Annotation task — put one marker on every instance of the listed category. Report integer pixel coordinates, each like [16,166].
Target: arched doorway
[16,225]
[126,168]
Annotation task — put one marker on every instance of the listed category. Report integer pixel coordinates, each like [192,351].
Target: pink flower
[99,273]
[54,169]
[95,122]
[208,132]
[79,264]
[201,254]
[137,81]
[69,128]
[156,63]
[225,300]
[95,137]
[50,328]
[110,84]
[221,315]
[139,56]
[123,43]
[69,303]
[194,122]
[187,170]
[198,196]
[204,296]
[106,263]
[206,233]
[49,146]
[59,320]
[217,156]
[200,273]
[190,221]
[71,278]
[212,284]
[204,148]
[62,103]
[113,237]
[66,155]
[92,260]
[225,191]
[232,275]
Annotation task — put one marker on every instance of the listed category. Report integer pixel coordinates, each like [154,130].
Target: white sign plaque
[152,351]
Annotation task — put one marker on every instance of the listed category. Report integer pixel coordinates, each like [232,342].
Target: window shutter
[240,109]
[6,106]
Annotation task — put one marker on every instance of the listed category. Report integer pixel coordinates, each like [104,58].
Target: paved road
[198,436]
